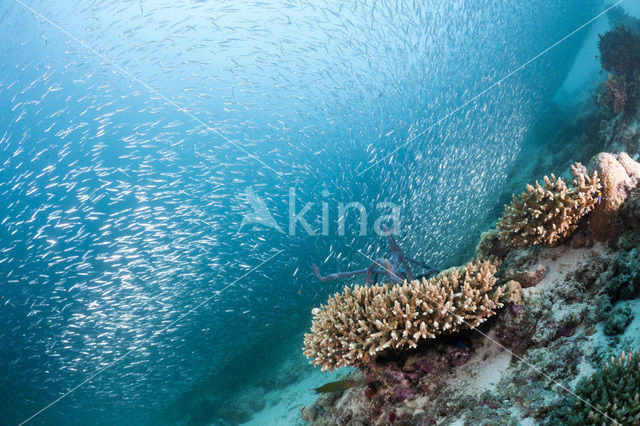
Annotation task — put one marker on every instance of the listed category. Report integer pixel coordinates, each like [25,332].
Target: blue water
[131,133]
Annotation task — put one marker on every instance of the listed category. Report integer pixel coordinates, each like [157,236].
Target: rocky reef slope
[560,342]
[570,308]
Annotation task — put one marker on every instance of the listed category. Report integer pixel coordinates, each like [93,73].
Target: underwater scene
[320,212]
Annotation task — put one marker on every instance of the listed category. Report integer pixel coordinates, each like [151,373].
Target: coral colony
[613,390]
[541,326]
[359,323]
[547,214]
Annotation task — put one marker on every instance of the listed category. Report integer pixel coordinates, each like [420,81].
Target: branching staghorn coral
[547,214]
[357,324]
[611,394]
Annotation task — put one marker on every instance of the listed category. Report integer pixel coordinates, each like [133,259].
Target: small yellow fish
[338,386]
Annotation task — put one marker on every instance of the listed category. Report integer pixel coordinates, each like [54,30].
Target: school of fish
[122,193]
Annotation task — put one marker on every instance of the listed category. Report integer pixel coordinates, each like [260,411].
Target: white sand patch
[484,370]
[283,406]
[458,422]
[559,262]
[585,369]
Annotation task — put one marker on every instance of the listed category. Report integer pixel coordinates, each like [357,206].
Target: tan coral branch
[358,323]
[547,214]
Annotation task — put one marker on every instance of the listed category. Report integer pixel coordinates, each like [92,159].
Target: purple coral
[397,375]
[458,357]
[516,309]
[403,391]
[424,365]
[401,384]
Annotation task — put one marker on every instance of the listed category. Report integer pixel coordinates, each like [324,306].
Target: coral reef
[527,278]
[570,274]
[616,94]
[615,184]
[619,319]
[622,278]
[610,395]
[490,246]
[631,166]
[547,214]
[570,278]
[568,308]
[615,125]
[356,325]
[472,378]
[308,413]
[620,51]
[629,213]
[513,292]
[620,55]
